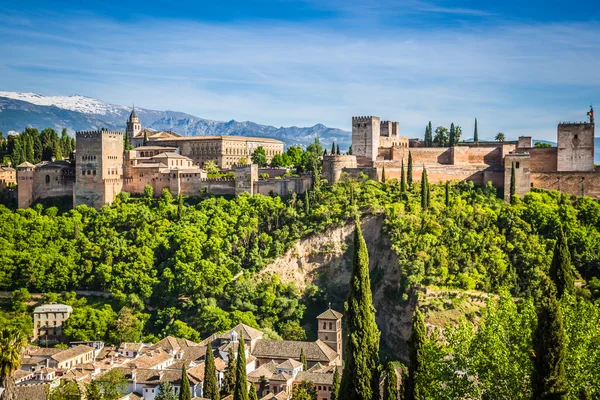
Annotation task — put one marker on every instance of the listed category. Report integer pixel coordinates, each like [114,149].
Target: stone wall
[283,187]
[52,182]
[24,186]
[333,166]
[245,177]
[575,147]
[542,159]
[574,183]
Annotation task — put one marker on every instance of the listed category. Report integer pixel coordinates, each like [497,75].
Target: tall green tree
[228,384]
[240,392]
[513,183]
[452,136]
[499,137]
[447,193]
[67,390]
[335,385]
[12,342]
[549,346]
[424,190]
[145,138]
[390,388]
[92,391]
[417,359]
[383,175]
[561,270]
[402,179]
[409,171]
[306,390]
[252,395]
[332,148]
[303,360]
[210,389]
[360,378]
[475,133]
[113,384]
[428,139]
[337,150]
[186,391]
[350,150]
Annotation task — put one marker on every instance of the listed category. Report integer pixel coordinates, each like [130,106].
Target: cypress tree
[561,271]
[424,190]
[447,194]
[332,148]
[430,128]
[548,377]
[402,179]
[145,138]
[186,392]
[306,204]
[252,395]
[303,360]
[476,134]
[240,391]
[390,388]
[409,174]
[413,390]
[452,134]
[350,150]
[337,150]
[513,183]
[335,386]
[383,175]
[228,383]
[360,378]
[210,389]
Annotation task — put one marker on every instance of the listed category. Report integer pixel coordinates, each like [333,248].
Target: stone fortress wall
[569,167]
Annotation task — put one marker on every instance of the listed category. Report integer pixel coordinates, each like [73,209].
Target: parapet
[364,119]
[574,123]
[98,133]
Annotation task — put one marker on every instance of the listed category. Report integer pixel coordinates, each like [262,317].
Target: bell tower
[134,125]
[330,330]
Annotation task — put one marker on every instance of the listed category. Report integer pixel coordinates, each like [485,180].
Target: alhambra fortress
[103,168]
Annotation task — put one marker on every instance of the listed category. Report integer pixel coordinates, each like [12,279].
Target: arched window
[47,179]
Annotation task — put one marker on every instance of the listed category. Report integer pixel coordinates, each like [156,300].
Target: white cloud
[514,78]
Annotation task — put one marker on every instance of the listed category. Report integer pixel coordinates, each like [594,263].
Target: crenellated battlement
[95,134]
[574,123]
[217,179]
[368,118]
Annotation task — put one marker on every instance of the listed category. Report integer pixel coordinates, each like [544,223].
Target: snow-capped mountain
[20,110]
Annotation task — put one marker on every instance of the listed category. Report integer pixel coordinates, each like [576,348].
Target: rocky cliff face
[325,259]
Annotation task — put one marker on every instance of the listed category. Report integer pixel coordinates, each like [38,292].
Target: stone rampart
[574,183]
[283,187]
[334,165]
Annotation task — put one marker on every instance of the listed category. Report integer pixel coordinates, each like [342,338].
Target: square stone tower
[99,167]
[575,147]
[365,137]
[330,330]
[521,162]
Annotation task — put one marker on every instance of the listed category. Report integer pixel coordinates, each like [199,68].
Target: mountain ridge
[19,110]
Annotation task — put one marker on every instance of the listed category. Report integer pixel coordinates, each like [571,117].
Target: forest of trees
[34,146]
[194,267]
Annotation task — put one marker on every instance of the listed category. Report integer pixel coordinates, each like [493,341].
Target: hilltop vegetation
[189,270]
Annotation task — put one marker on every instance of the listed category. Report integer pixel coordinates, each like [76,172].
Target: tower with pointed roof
[330,329]
[134,125]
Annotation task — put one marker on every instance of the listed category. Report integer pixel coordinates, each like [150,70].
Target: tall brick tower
[134,125]
[365,138]
[99,167]
[330,330]
[25,184]
[576,145]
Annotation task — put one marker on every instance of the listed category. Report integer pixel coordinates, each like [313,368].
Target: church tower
[330,330]
[134,126]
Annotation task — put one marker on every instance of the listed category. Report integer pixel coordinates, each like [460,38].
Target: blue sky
[520,67]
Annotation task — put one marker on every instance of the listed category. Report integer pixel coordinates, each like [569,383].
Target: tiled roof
[73,352]
[131,346]
[32,392]
[266,370]
[289,364]
[25,164]
[144,148]
[53,308]
[151,359]
[248,332]
[282,377]
[330,314]
[314,377]
[171,155]
[314,351]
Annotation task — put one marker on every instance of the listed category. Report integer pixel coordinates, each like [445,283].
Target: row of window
[47,316]
[88,158]
[88,172]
